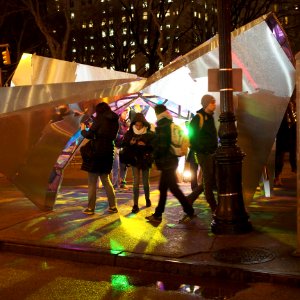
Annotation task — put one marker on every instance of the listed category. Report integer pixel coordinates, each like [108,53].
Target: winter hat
[159,108]
[139,117]
[206,100]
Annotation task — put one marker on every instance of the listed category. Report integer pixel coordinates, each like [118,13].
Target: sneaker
[186,219]
[88,211]
[112,210]
[148,203]
[154,219]
[135,209]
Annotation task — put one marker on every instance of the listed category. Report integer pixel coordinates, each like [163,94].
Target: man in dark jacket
[102,132]
[204,142]
[167,163]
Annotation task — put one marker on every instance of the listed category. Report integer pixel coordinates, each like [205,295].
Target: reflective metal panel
[33,150]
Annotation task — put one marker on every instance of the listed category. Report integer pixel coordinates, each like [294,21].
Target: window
[133,68]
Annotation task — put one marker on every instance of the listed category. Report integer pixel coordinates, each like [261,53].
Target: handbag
[88,151]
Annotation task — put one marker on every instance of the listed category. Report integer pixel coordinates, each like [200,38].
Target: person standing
[167,163]
[102,131]
[138,139]
[119,170]
[286,141]
[204,142]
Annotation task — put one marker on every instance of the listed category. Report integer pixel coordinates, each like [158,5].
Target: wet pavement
[126,240]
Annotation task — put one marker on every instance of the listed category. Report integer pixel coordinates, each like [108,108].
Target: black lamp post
[230,216]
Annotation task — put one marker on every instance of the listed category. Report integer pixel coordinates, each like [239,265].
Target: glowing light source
[120,283]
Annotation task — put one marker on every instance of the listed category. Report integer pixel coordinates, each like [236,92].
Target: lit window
[160,65]
[103,34]
[124,43]
[147,66]
[124,31]
[111,32]
[133,68]
[91,25]
[83,25]
[124,19]
[168,13]
[74,50]
[145,41]
[168,26]
[145,15]
[72,15]
[92,37]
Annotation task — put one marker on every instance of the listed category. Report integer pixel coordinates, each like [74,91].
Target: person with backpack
[166,161]
[204,142]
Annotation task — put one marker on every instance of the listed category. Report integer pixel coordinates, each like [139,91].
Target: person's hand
[141,143]
[82,126]
[132,141]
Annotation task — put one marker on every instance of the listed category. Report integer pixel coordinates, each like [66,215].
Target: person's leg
[92,190]
[115,169]
[110,193]
[146,185]
[123,173]
[176,191]
[194,175]
[136,185]
[208,170]
[163,189]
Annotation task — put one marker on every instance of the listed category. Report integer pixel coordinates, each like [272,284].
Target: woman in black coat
[138,141]
[102,131]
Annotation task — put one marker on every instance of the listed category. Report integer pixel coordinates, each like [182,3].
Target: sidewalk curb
[153,263]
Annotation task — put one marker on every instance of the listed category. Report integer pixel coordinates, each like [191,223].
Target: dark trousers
[168,180]
[207,164]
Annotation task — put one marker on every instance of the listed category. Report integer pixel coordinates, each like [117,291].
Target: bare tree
[57,43]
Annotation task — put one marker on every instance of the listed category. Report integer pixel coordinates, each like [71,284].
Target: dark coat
[163,157]
[203,140]
[142,155]
[104,130]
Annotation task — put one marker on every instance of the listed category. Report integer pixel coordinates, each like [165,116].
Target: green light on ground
[120,283]
[115,247]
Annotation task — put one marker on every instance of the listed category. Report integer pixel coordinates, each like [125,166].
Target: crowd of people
[122,142]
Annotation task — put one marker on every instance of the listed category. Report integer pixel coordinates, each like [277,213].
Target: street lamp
[230,216]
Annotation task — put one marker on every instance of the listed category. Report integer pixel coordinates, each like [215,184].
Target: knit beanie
[159,108]
[206,100]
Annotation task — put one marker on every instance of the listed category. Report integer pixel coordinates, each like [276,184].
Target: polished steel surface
[33,151]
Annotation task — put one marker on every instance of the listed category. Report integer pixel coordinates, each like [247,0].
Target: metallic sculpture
[36,145]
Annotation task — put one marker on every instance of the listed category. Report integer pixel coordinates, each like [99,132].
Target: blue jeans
[119,170]
[92,189]
[136,184]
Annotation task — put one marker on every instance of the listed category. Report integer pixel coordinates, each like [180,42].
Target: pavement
[266,254]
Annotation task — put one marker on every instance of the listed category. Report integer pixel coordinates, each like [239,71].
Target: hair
[159,108]
[102,107]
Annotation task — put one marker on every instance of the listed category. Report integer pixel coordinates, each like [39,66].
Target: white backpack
[179,141]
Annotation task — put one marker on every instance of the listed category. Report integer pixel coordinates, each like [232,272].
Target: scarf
[164,114]
[139,132]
